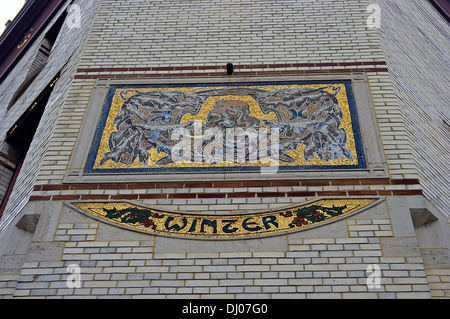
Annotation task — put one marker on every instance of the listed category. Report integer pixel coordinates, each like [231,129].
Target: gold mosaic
[228,127]
[159,222]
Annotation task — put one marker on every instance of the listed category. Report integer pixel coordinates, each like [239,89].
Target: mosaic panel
[228,127]
[155,221]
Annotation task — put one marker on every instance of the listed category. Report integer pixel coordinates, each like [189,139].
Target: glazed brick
[66,197]
[83,77]
[315,183]
[141,186]
[271,282]
[182,195]
[351,63]
[285,183]
[94,197]
[227,184]
[124,196]
[211,195]
[169,185]
[55,187]
[153,196]
[83,186]
[112,186]
[300,194]
[375,182]
[270,194]
[360,193]
[39,198]
[331,193]
[344,182]
[198,185]
[256,184]
[201,283]
[407,192]
[241,195]
[91,70]
[404,181]
[167,283]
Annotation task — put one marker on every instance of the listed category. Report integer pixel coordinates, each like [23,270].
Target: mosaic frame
[376,164]
[358,150]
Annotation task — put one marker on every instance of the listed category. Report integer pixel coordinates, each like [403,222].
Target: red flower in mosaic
[147,222]
[298,221]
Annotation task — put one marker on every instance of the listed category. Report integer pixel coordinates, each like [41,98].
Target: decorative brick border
[240,70]
[246,194]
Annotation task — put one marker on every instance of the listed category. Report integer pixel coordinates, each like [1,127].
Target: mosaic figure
[309,121]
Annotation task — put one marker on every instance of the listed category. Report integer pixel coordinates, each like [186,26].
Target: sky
[8,10]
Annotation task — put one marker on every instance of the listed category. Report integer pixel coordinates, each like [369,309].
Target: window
[18,140]
[443,6]
[40,59]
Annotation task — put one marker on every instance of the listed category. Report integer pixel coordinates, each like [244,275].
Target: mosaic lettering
[154,221]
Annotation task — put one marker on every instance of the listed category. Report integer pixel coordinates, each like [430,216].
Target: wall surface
[419,64]
[405,235]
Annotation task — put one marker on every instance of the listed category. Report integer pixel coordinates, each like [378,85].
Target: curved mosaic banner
[228,127]
[154,221]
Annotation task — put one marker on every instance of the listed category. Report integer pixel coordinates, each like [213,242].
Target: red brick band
[194,193]
[227,195]
[147,185]
[220,70]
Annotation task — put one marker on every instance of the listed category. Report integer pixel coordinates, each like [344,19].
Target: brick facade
[142,42]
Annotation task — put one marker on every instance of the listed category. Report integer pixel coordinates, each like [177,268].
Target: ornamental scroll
[228,127]
[153,221]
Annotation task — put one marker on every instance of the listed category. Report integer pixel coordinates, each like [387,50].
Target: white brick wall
[309,268]
[415,41]
[179,33]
